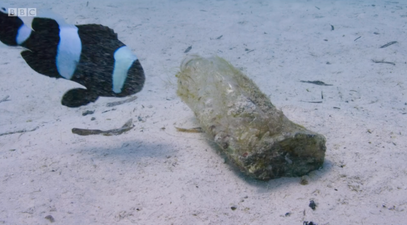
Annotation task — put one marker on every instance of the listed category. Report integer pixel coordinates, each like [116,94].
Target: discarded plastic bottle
[251,131]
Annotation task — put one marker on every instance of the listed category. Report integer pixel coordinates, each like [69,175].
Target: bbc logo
[22,12]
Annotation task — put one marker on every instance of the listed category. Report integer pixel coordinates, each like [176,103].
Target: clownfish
[88,54]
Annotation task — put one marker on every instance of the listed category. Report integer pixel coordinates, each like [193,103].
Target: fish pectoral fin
[78,97]
[40,65]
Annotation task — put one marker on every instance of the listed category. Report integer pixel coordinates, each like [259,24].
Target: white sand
[156,175]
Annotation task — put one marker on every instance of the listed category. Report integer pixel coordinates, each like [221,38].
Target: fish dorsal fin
[44,14]
[70,46]
[40,13]
[100,30]
[4,7]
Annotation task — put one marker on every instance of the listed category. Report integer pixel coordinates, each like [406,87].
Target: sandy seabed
[156,175]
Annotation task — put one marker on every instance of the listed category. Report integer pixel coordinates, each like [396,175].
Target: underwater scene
[203,112]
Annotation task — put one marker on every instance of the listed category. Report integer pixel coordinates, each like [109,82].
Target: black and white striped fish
[89,54]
